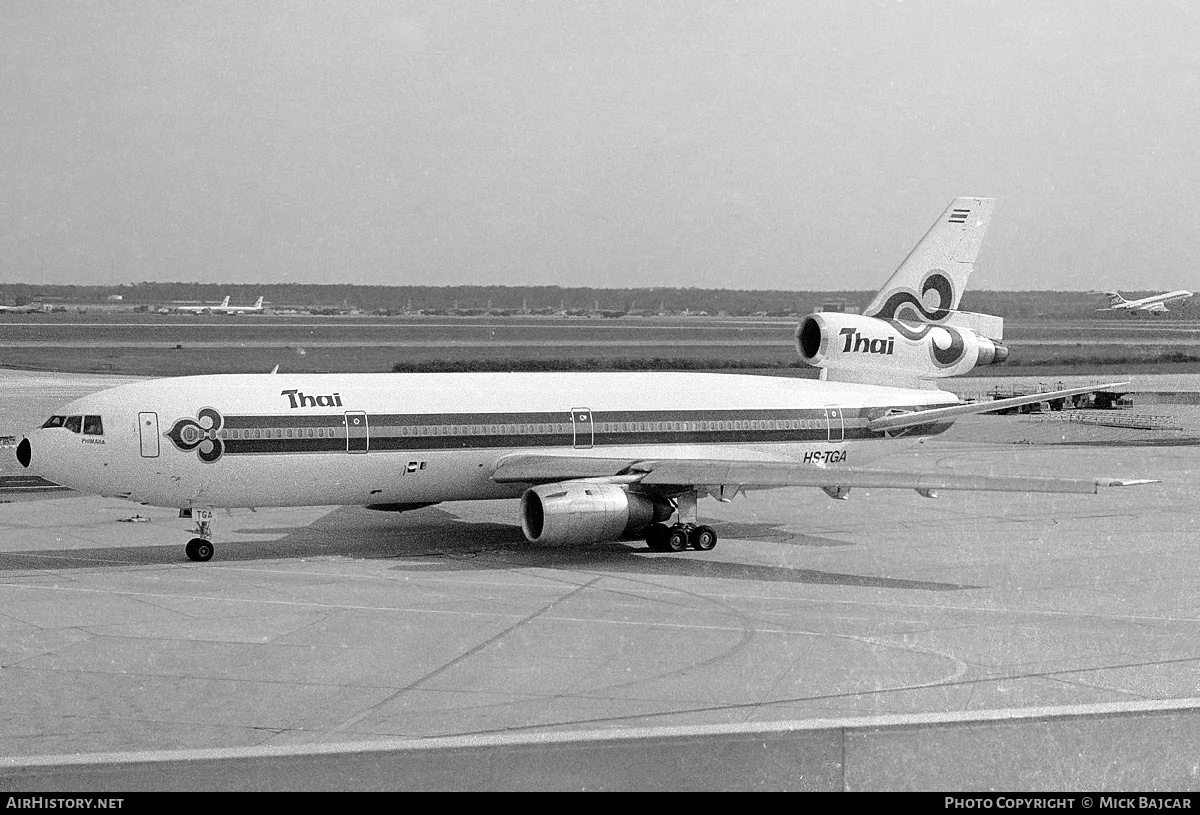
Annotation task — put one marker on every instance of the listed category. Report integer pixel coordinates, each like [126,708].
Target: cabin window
[55,421]
[74,424]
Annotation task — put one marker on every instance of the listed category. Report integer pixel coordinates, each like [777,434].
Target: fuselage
[1152,301]
[321,439]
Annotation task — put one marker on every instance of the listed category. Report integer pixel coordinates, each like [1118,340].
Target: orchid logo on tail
[908,305]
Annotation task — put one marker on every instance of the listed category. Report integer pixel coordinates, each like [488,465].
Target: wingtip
[1126,482]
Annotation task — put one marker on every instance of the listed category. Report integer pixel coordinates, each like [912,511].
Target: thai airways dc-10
[592,456]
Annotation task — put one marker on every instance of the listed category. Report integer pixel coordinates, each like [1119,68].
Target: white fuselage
[1154,302]
[320,439]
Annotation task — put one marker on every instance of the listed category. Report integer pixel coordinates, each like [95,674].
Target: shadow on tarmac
[437,540]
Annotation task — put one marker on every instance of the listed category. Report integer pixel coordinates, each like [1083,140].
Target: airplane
[592,456]
[202,309]
[225,308]
[28,308]
[1155,304]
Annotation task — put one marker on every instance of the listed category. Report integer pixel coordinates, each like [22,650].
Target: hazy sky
[789,145]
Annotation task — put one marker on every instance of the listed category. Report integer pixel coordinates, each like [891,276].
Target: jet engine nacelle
[587,512]
[852,342]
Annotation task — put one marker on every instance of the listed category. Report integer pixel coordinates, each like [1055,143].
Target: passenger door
[148,434]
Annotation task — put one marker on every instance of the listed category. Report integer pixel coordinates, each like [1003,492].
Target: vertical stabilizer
[930,282]
[1115,298]
[225,302]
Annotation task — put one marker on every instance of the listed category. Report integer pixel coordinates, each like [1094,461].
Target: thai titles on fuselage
[299,399]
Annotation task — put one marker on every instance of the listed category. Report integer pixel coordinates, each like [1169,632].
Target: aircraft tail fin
[1115,298]
[225,302]
[258,303]
[929,284]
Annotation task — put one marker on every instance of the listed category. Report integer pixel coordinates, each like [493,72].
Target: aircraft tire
[677,538]
[198,549]
[656,537]
[703,538]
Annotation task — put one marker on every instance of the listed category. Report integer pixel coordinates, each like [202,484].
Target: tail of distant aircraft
[930,282]
[912,331]
[258,303]
[1115,298]
[224,302]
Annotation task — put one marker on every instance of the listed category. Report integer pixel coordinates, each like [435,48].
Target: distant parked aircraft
[28,308]
[208,309]
[1155,303]
[225,308]
[222,308]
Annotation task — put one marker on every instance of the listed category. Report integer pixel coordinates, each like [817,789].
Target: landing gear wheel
[677,538]
[199,549]
[703,538]
[656,537]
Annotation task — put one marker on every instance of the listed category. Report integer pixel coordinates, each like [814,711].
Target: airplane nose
[24,453]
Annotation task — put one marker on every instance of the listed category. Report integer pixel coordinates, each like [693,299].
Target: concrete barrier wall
[1147,747]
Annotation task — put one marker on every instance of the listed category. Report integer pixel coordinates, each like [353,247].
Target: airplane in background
[225,308]
[1155,303]
[592,457]
[208,309]
[28,308]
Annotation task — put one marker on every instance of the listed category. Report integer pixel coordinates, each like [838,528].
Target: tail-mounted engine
[587,512]
[850,343]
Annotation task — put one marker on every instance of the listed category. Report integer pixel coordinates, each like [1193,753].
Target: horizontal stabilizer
[985,325]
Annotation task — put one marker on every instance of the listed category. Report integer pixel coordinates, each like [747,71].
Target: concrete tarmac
[331,625]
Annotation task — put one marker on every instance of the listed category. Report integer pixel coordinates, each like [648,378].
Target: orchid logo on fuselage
[298,399]
[200,434]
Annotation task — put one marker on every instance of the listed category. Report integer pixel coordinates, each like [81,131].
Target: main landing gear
[676,538]
[688,532]
[200,548]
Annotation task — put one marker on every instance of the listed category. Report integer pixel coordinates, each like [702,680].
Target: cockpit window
[74,423]
[55,421]
[93,426]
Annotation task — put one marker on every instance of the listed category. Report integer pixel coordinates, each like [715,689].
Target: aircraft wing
[898,421]
[1156,307]
[668,473]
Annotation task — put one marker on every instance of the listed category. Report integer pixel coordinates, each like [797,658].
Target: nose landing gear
[200,548]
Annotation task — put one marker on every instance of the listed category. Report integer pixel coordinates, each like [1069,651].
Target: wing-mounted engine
[587,512]
[852,347]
